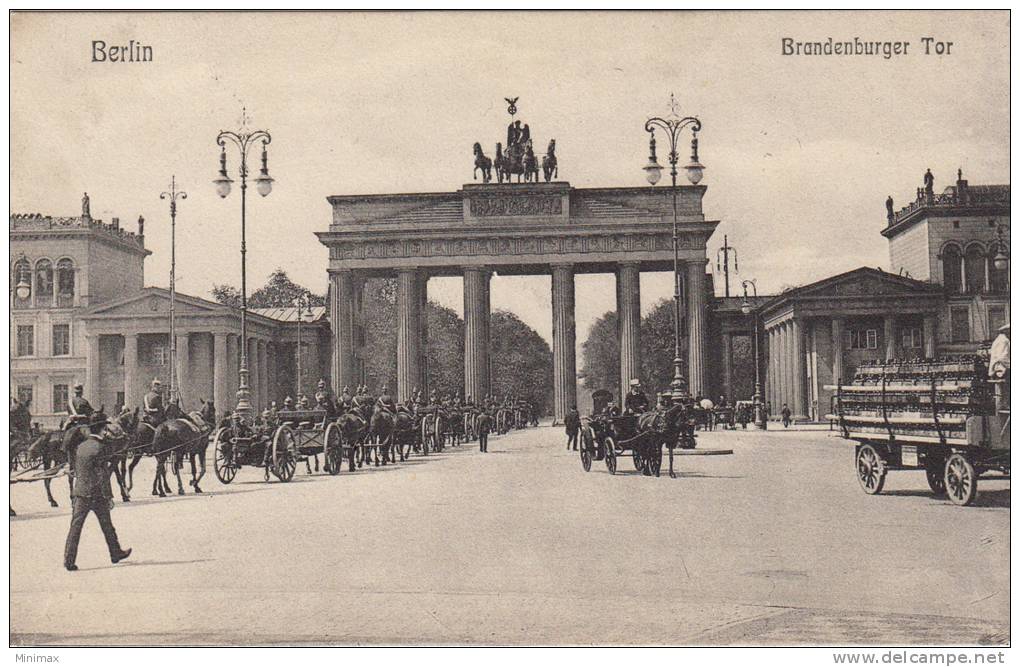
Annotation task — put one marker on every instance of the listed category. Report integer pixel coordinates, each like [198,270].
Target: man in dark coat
[152,405]
[484,425]
[636,401]
[572,422]
[92,493]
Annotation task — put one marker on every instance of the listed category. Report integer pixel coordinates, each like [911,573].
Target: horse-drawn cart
[939,416]
[313,434]
[606,438]
[239,444]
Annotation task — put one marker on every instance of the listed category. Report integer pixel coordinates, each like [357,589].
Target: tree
[278,292]
[600,355]
[520,361]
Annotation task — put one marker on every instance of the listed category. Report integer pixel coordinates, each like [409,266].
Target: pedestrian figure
[572,422]
[785,412]
[484,425]
[92,493]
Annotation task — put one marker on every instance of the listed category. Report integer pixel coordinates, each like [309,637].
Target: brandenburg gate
[537,228]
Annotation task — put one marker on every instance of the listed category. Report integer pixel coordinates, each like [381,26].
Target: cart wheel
[223,457]
[610,455]
[639,463]
[334,449]
[935,472]
[870,469]
[585,459]
[284,454]
[960,480]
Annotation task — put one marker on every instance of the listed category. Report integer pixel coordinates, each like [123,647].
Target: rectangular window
[959,324]
[996,318]
[59,397]
[911,338]
[26,340]
[25,394]
[161,355]
[61,340]
[862,339]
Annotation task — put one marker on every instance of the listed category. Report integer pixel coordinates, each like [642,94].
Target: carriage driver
[152,403]
[78,408]
[385,401]
[636,401]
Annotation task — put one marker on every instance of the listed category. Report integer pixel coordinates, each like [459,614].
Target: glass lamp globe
[653,172]
[695,171]
[745,308]
[23,290]
[223,186]
[264,184]
[1001,261]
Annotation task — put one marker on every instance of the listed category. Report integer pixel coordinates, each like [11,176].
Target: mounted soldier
[345,399]
[152,405]
[78,408]
[385,402]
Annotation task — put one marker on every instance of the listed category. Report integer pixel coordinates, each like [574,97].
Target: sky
[801,152]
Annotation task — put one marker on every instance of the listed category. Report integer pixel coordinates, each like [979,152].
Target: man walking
[572,421]
[484,425]
[785,412]
[92,493]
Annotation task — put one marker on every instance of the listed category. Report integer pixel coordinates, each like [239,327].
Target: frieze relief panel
[483,207]
[527,245]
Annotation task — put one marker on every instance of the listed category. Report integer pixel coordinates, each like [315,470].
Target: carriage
[238,444]
[314,433]
[943,416]
[609,438]
[431,426]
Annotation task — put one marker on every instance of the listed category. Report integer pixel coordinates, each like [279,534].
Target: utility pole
[722,261]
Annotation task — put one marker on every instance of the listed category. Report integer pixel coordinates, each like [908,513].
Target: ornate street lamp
[1001,259]
[173,195]
[672,125]
[243,139]
[23,289]
[746,309]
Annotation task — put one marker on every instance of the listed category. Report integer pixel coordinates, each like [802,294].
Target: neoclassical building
[80,313]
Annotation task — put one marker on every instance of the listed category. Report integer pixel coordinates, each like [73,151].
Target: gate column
[696,327]
[341,314]
[476,333]
[564,341]
[408,332]
[628,311]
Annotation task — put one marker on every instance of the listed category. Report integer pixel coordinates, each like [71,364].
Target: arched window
[22,276]
[974,269]
[952,269]
[43,283]
[65,283]
[998,278]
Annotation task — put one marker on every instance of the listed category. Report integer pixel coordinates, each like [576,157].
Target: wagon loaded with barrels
[939,416]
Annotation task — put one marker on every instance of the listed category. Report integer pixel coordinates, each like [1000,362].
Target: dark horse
[141,441]
[183,436]
[672,427]
[380,431]
[353,429]
[549,168]
[482,162]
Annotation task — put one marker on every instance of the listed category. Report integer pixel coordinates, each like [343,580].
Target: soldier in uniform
[636,401]
[484,425]
[345,398]
[385,401]
[92,493]
[152,405]
[78,408]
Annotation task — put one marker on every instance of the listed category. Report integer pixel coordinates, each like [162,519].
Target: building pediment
[156,301]
[863,282]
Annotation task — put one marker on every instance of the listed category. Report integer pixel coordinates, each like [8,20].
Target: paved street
[774,545]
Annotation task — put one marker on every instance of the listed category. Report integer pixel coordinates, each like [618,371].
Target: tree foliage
[600,355]
[278,292]
[521,361]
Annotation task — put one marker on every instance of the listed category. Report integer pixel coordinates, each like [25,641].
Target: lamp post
[173,195]
[722,262]
[1001,259]
[21,291]
[243,140]
[672,125]
[303,306]
[746,309]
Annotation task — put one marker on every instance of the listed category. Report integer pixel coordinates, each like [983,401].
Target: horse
[403,433]
[183,436]
[482,162]
[530,165]
[353,429]
[549,168]
[142,441]
[672,427]
[380,431]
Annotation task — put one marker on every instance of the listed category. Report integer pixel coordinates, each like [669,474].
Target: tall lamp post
[303,306]
[20,291]
[747,309]
[243,140]
[173,195]
[672,125]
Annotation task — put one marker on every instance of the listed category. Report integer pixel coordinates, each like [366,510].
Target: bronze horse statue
[482,162]
[530,164]
[549,168]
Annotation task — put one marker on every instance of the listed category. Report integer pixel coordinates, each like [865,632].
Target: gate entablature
[523,228]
